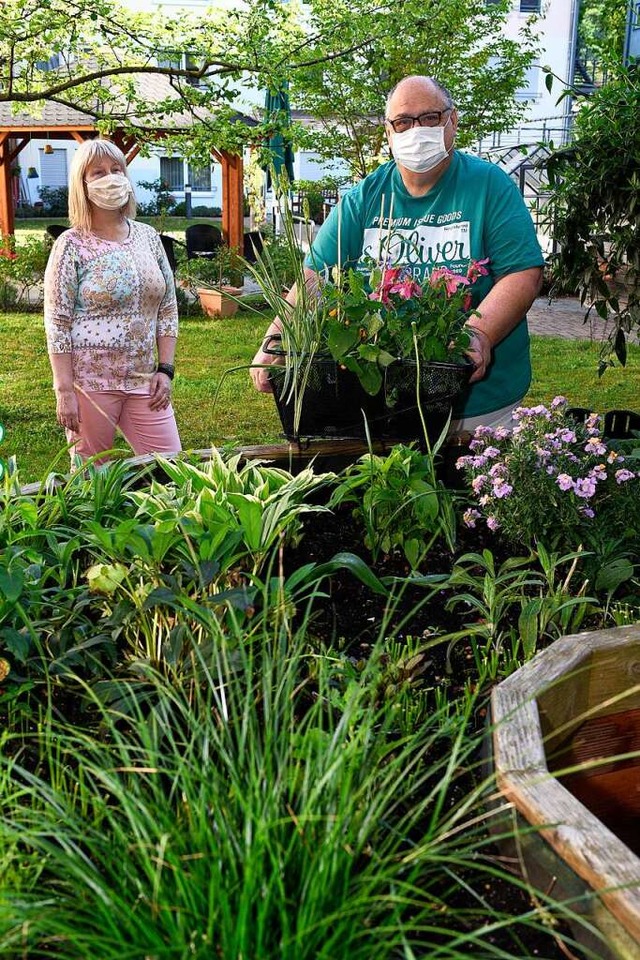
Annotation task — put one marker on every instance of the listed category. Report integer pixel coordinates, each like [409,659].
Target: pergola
[60,122]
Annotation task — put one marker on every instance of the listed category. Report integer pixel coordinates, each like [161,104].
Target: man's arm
[261,362]
[500,311]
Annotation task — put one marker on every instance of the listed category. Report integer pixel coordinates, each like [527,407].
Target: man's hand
[479,352]
[260,373]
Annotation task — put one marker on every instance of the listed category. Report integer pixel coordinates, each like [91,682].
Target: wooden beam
[37,131]
[17,148]
[232,198]
[7,216]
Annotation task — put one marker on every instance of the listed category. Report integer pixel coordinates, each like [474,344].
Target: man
[433,206]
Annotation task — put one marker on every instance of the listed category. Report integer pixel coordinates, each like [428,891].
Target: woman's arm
[60,291]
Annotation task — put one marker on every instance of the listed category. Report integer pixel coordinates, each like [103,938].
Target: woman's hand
[160,391]
[67,410]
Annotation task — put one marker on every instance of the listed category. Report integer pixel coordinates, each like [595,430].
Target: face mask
[420,148]
[110,192]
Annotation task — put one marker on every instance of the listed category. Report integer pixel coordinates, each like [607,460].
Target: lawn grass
[208,350]
[175,226]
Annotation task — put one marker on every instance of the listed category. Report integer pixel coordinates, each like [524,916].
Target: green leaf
[341,340]
[11,584]
[250,516]
[370,378]
[356,566]
[620,347]
[15,643]
[611,575]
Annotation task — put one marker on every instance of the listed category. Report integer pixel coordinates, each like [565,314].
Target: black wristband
[167,368]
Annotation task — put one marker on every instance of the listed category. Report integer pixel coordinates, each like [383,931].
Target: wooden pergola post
[7,156]
[232,198]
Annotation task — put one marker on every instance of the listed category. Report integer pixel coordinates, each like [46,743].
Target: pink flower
[564,481]
[623,475]
[407,289]
[492,523]
[501,488]
[451,281]
[593,445]
[477,269]
[585,487]
[469,517]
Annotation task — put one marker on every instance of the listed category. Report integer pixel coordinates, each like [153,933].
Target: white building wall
[556,27]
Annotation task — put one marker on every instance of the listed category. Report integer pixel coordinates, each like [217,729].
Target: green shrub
[55,201]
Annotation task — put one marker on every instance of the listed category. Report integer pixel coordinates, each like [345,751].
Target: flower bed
[263,697]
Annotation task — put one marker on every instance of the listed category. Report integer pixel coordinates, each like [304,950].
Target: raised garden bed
[566,732]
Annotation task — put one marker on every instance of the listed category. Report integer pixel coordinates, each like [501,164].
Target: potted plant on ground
[216,281]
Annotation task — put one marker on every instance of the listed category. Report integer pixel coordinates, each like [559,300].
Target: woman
[110,315]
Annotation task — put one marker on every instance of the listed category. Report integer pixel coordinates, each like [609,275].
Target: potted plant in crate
[371,352]
[216,281]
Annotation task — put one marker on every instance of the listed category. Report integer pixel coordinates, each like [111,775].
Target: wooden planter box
[566,754]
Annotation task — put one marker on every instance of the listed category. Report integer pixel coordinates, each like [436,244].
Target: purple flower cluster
[506,466]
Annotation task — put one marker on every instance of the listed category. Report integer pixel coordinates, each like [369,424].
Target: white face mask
[420,148]
[110,192]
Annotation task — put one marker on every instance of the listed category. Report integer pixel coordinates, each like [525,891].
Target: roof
[152,88]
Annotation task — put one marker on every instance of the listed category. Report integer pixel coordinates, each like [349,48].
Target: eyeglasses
[431,119]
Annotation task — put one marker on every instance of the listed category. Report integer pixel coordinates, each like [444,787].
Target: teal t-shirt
[474,211]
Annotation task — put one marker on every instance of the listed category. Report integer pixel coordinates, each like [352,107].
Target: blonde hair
[87,152]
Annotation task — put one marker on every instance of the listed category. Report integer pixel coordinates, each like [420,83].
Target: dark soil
[351,617]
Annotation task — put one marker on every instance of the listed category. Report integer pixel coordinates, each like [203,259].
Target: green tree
[105,54]
[460,42]
[594,211]
[601,30]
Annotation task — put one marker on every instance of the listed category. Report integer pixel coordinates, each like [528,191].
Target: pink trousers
[146,430]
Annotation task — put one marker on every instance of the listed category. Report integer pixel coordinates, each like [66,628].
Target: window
[200,178]
[529,6]
[173,60]
[51,64]
[172,172]
[53,168]
[529,86]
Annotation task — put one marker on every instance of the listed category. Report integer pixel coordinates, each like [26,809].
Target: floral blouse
[106,303]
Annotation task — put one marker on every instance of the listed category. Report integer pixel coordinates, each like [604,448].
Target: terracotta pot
[216,303]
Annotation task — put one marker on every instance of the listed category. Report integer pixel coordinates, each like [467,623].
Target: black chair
[169,244]
[55,229]
[621,424]
[253,245]
[202,240]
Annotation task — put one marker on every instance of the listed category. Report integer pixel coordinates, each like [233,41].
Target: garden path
[564,317]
